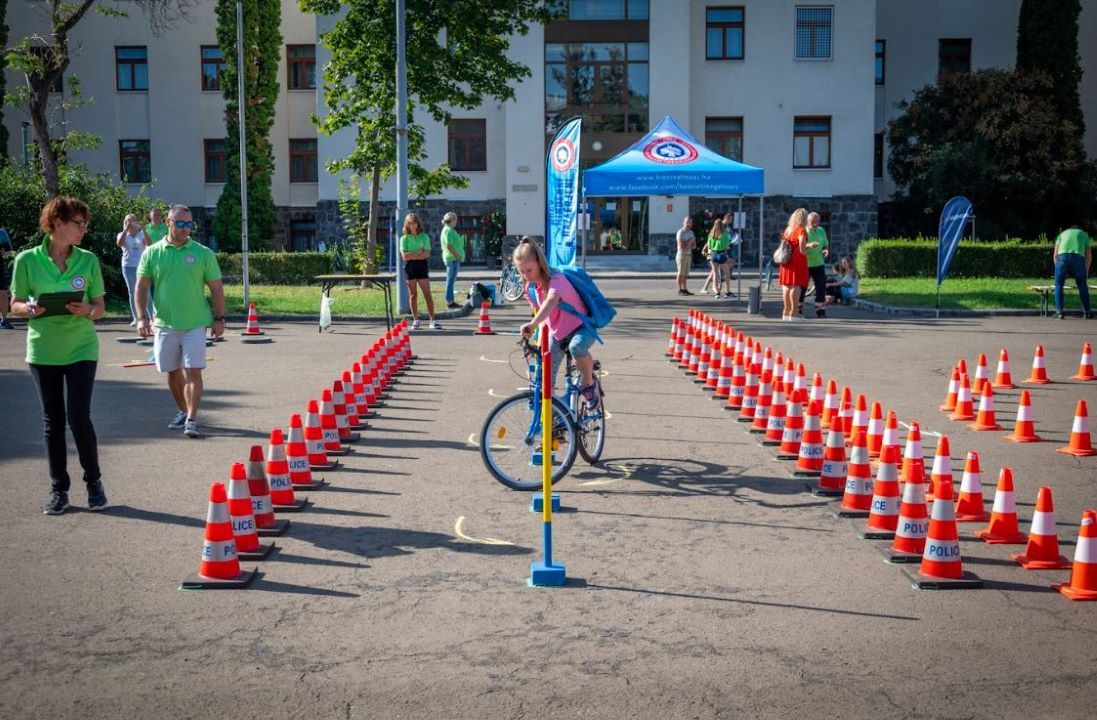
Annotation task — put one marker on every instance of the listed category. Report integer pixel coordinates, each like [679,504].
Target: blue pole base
[542,575]
[537,503]
[536,460]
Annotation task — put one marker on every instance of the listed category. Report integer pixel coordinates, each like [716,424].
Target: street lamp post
[401,152]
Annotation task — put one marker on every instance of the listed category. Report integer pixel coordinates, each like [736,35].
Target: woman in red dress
[794,273]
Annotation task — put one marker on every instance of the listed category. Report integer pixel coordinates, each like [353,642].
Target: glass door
[618,225]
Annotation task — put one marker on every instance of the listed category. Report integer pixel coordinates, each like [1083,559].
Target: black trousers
[75,405]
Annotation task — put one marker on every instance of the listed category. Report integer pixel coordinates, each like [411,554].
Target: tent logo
[670,150]
[563,155]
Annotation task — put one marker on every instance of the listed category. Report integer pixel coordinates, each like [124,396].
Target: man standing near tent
[1072,255]
[684,258]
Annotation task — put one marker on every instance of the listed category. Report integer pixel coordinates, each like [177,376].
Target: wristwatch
[220,318]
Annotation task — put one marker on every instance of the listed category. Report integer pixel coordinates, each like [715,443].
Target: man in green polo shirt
[157,230]
[1072,255]
[817,250]
[181,269]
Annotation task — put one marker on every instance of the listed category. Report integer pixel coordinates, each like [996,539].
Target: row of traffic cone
[245,511]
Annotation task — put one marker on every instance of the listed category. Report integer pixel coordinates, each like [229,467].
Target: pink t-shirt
[562,323]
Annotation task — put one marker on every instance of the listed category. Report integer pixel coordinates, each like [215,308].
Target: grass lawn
[960,293]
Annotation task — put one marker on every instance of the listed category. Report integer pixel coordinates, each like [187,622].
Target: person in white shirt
[133,240]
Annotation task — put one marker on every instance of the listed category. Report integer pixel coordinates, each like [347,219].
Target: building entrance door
[618,225]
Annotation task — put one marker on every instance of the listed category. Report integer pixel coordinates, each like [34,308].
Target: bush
[917,257]
[276,268]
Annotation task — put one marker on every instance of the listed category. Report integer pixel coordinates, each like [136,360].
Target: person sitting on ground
[847,284]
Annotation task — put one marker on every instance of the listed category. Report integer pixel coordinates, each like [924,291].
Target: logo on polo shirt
[670,150]
[190,259]
[78,282]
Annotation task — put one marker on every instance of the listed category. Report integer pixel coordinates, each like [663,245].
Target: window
[301,67]
[606,9]
[878,156]
[468,145]
[131,68]
[302,234]
[605,82]
[814,26]
[134,160]
[215,161]
[811,142]
[724,33]
[303,161]
[212,65]
[725,136]
[42,54]
[953,55]
[881,61]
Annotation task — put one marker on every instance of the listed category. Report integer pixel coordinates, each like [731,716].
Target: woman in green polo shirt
[415,249]
[62,347]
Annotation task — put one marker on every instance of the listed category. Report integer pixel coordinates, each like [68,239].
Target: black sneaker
[453,306]
[1088,315]
[6,324]
[1060,315]
[683,292]
[57,503]
[97,499]
[820,313]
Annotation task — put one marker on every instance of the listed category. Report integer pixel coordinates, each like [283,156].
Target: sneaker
[453,306]
[435,325]
[1087,315]
[190,429]
[133,323]
[591,396]
[1060,315]
[797,318]
[97,499]
[415,324]
[177,421]
[6,324]
[718,296]
[57,503]
[820,313]
[683,292]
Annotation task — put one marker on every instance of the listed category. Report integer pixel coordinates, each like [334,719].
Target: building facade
[801,89]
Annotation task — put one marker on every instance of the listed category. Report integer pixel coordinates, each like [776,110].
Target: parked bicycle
[511,442]
[510,282]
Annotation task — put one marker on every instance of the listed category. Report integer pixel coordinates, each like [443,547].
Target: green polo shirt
[815,254]
[180,275]
[157,233]
[719,243]
[454,240]
[1072,240]
[414,243]
[58,339]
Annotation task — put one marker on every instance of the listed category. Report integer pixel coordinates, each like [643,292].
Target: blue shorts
[578,343]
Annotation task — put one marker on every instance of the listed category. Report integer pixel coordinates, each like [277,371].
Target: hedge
[276,268]
[917,257]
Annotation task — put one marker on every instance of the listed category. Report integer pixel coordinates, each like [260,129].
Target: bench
[1047,292]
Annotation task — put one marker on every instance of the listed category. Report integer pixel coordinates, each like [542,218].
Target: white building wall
[524,140]
[670,46]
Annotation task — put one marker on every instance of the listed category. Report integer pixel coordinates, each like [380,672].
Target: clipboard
[55,302]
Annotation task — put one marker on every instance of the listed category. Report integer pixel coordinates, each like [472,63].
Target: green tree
[993,136]
[1047,39]
[262,47]
[3,79]
[456,56]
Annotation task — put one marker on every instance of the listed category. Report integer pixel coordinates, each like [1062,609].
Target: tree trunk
[369,262]
[39,98]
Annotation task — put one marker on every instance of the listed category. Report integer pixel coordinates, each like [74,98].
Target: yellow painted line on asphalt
[625,469]
[458,530]
[484,358]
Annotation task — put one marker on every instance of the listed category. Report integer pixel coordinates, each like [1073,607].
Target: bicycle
[510,282]
[575,427]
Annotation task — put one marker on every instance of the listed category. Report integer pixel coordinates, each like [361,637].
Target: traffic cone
[778,415]
[891,435]
[220,564]
[1083,574]
[1080,441]
[261,506]
[1042,552]
[941,565]
[703,360]
[241,513]
[738,383]
[801,382]
[314,440]
[913,524]
[750,395]
[694,357]
[727,367]
[673,333]
[1003,378]
[297,457]
[1085,366]
[980,378]
[942,467]
[281,486]
[1024,430]
[252,335]
[716,361]
[1038,376]
[845,412]
[342,414]
[794,426]
[914,462]
[330,425]
[816,388]
[962,365]
[350,401]
[790,375]
[875,430]
[358,390]
[830,404]
[765,401]
[860,418]
[883,516]
[969,508]
[1003,516]
[809,460]
[832,479]
[857,497]
[964,409]
[953,388]
[986,419]
[767,360]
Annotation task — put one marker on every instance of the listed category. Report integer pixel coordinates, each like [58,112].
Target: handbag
[783,253]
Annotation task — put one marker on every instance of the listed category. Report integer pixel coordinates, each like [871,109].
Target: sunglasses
[82,224]
[188,224]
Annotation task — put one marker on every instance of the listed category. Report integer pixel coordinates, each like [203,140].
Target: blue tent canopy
[670,161]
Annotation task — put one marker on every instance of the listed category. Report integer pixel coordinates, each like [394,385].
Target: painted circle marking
[458,530]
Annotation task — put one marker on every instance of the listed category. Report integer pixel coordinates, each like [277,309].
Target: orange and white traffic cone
[1003,378]
[860,419]
[252,334]
[953,389]
[986,419]
[778,409]
[1003,528]
[845,412]
[914,461]
[705,358]
[220,563]
[738,383]
[941,565]
[278,478]
[832,479]
[857,496]
[875,432]
[809,460]
[883,516]
[314,439]
[964,407]
[1081,444]
[767,360]
[1038,376]
[765,402]
[969,507]
[243,519]
[715,363]
[350,402]
[673,333]
[750,395]
[891,435]
[1042,552]
[801,381]
[794,426]
[727,368]
[790,375]
[358,391]
[333,445]
[297,457]
[913,524]
[830,404]
[816,394]
[346,414]
[942,467]
[981,373]
[1083,573]
[1024,430]
[261,506]
[484,328]
[1085,365]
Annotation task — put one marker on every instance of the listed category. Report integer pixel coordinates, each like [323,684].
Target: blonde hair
[717,228]
[411,218]
[798,219]
[127,220]
[528,249]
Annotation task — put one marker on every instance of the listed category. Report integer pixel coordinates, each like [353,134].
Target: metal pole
[739,254]
[761,222]
[243,153]
[401,152]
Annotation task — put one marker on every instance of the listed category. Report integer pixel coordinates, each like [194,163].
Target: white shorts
[177,349]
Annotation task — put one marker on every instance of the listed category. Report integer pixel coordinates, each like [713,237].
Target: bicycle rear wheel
[590,425]
[510,284]
[507,454]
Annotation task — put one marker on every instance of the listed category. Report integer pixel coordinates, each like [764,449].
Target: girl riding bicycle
[565,328]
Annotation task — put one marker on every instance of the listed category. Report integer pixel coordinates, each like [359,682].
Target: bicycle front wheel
[510,442]
[511,283]
[590,426]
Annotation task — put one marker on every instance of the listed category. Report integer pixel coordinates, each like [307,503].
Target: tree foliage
[262,48]
[996,137]
[3,79]
[1047,39]
[456,55]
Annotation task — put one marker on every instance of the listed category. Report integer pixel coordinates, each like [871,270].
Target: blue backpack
[600,311]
